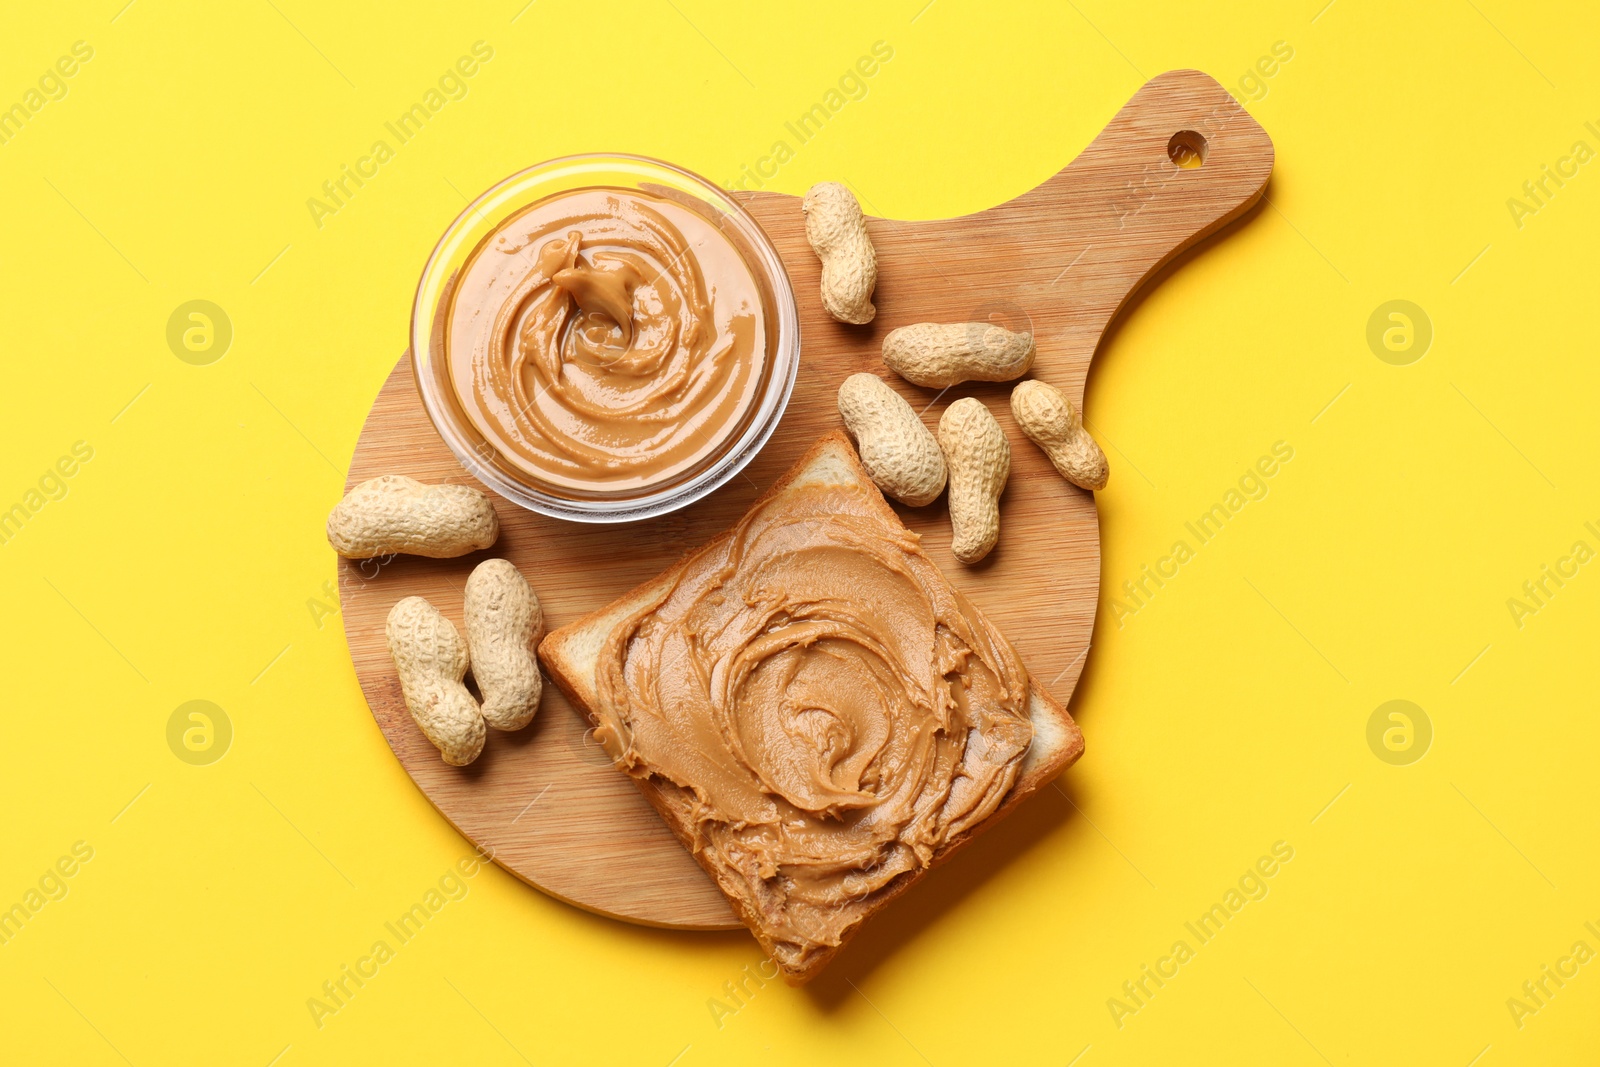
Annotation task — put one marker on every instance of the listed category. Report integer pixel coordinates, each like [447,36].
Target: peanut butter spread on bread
[826,707]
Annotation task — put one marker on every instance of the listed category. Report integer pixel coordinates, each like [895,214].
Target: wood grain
[1059,260]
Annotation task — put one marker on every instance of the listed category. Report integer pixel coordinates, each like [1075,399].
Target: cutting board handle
[1179,161]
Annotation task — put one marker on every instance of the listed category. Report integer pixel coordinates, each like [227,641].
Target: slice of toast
[572,655]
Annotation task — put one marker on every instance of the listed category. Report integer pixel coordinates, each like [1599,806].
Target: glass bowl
[740,441]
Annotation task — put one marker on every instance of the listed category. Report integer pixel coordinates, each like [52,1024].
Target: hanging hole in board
[1187,149]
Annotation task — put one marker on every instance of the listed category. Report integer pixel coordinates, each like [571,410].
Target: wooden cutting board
[1059,260]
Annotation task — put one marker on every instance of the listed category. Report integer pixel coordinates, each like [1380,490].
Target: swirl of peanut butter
[606,340]
[824,705]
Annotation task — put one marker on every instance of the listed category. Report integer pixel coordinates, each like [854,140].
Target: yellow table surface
[1427,542]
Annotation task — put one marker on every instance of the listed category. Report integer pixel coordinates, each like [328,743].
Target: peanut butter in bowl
[605,350]
[606,339]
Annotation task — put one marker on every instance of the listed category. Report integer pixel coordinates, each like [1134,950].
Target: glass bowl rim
[769,269]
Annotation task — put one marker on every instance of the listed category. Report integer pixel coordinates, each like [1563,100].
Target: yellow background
[1224,716]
